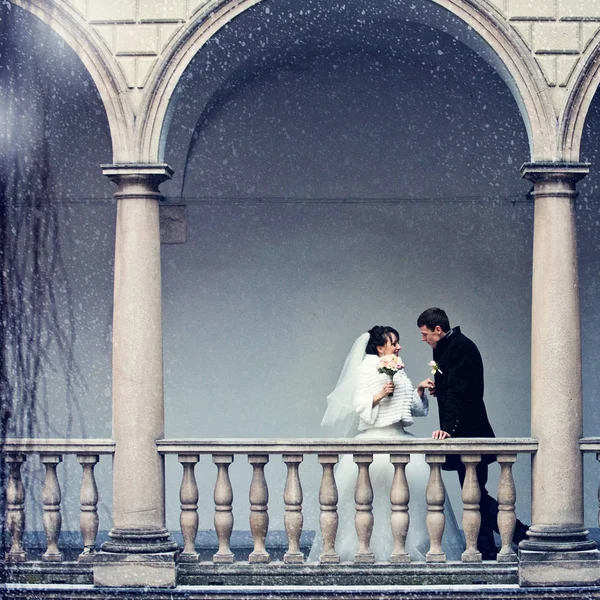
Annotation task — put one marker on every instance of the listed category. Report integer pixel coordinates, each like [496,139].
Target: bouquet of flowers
[390,364]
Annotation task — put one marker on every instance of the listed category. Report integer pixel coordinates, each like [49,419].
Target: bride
[366,400]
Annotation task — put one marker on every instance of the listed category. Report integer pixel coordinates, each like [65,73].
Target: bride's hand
[386,390]
[427,384]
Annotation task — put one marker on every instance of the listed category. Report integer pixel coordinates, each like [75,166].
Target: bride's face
[391,347]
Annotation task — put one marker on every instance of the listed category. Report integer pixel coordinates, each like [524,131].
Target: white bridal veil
[340,411]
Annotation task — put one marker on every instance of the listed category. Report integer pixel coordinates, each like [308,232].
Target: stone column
[558,551]
[140,552]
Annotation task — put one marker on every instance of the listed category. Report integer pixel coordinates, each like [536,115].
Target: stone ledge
[391,592]
[346,574]
[73,574]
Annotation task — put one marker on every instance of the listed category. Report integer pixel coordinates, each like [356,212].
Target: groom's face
[431,338]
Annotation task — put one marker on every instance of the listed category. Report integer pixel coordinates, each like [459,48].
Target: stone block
[107,33]
[137,40]
[524,30]
[135,570]
[173,224]
[588,33]
[579,9]
[555,38]
[565,65]
[167,33]
[127,64]
[548,66]
[145,65]
[557,95]
[532,9]
[163,11]
[111,11]
[541,569]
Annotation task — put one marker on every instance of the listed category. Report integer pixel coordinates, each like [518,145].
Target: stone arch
[71,27]
[498,44]
[578,102]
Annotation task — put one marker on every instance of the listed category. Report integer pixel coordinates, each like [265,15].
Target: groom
[459,392]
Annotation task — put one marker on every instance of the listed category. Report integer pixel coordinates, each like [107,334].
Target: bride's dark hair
[379,336]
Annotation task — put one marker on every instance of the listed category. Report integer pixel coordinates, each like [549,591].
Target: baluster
[15,504]
[293,520]
[363,519]
[507,497]
[188,497]
[223,496]
[88,499]
[400,518]
[435,495]
[471,496]
[328,517]
[51,498]
[259,516]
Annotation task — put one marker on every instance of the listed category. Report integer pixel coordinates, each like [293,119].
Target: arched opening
[341,170]
[65,21]
[57,245]
[475,27]
[588,241]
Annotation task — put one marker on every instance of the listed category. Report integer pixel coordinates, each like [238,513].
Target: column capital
[137,180]
[555,171]
[137,169]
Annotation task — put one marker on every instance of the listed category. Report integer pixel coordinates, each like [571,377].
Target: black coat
[459,390]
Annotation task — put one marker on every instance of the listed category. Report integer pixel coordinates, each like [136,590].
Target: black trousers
[488,507]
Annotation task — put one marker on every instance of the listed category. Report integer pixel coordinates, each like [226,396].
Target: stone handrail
[347,446]
[590,444]
[56,446]
[51,451]
[328,451]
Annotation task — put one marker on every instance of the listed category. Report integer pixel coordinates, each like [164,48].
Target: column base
[551,569]
[113,569]
[548,538]
[136,558]
[558,556]
[139,541]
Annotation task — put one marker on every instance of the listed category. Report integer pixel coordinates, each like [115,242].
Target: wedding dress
[386,421]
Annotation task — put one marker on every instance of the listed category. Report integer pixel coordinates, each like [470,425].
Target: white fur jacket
[402,406]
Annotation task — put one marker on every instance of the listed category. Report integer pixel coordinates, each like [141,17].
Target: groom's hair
[432,317]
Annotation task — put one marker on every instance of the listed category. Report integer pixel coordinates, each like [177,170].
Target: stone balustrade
[293,452]
[592,445]
[51,452]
